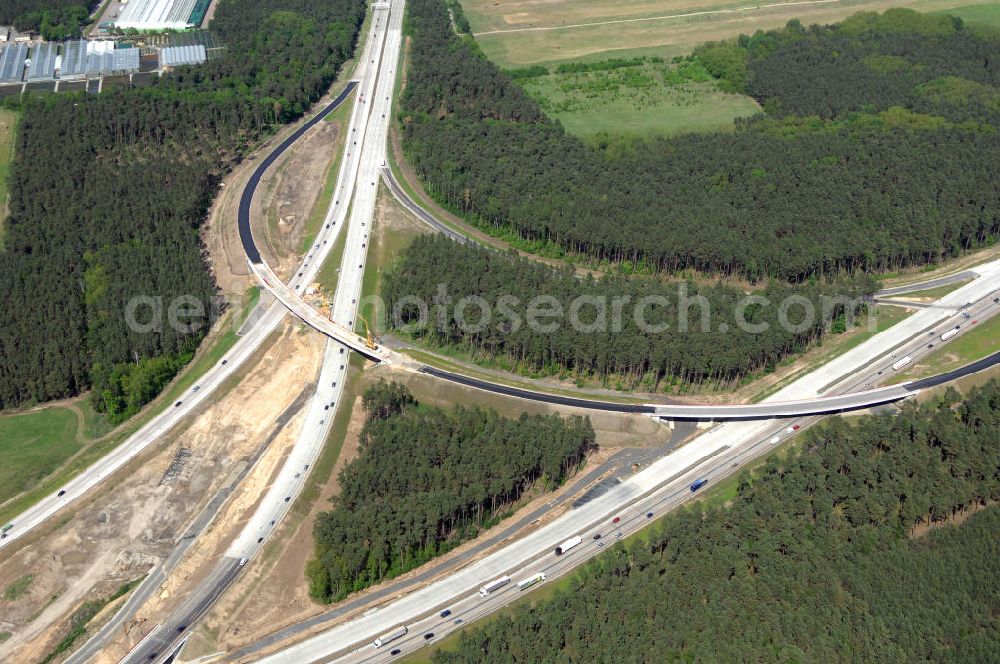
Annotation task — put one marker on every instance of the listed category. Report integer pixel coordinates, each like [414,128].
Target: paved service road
[927,285]
[419,212]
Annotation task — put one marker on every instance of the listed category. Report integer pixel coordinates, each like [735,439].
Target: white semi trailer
[397,633]
[902,362]
[568,544]
[495,584]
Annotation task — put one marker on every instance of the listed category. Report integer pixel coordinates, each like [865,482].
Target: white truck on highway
[524,584]
[902,362]
[568,544]
[397,633]
[495,584]
[949,334]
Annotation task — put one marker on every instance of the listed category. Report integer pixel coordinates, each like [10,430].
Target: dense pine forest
[879,150]
[713,348]
[824,556]
[107,195]
[426,479]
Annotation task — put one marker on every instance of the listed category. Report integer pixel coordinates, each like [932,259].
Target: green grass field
[33,445]
[8,132]
[836,345]
[653,98]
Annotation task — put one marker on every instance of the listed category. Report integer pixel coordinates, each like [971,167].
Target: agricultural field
[515,33]
[653,97]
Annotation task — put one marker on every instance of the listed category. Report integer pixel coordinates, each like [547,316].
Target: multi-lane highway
[716,453]
[660,486]
[80,485]
[354,191]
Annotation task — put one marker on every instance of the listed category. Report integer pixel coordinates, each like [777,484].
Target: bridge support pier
[671,423]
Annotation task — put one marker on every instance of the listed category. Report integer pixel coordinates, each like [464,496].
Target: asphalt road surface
[926,285]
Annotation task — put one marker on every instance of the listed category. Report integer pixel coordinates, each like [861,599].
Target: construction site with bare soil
[132,525]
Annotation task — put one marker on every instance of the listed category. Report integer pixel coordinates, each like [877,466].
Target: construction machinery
[371,340]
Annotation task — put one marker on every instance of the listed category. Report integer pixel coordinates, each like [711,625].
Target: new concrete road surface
[654,489]
[368,126]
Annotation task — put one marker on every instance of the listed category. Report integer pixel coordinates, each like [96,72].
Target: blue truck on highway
[698,484]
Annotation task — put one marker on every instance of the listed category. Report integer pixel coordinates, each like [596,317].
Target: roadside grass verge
[385,242]
[836,345]
[317,214]
[329,271]
[82,617]
[432,207]
[932,293]
[973,345]
[833,345]
[445,364]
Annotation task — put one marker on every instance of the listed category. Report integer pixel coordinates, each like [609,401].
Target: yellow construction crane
[370,339]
